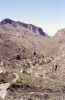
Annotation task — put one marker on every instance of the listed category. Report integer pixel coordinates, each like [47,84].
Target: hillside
[31,62]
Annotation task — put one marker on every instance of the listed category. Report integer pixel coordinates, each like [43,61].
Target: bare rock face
[31,27]
[5,21]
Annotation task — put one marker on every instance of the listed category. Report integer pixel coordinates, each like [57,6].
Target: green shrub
[26,65]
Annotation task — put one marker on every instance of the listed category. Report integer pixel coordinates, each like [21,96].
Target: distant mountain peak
[7,20]
[60,32]
[31,27]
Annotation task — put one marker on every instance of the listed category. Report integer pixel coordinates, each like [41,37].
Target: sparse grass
[30,79]
[41,63]
[46,96]
[63,89]
[25,66]
[45,62]
[54,77]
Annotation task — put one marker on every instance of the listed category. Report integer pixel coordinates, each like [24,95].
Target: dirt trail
[3,90]
[4,86]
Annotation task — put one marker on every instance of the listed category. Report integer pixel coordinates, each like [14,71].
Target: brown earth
[38,60]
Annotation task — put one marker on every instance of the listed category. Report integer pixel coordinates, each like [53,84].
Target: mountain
[17,24]
[31,62]
[16,37]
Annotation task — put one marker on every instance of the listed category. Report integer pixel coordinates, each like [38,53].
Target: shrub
[63,89]
[45,62]
[26,65]
[46,96]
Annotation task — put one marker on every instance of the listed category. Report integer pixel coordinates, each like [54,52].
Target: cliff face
[31,27]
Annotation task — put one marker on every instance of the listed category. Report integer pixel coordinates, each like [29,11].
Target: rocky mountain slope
[20,38]
[31,62]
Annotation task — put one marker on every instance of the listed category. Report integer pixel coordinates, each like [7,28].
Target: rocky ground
[32,64]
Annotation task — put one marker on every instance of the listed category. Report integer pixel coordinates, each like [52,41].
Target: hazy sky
[48,14]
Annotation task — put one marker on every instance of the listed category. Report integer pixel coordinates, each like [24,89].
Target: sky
[48,14]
